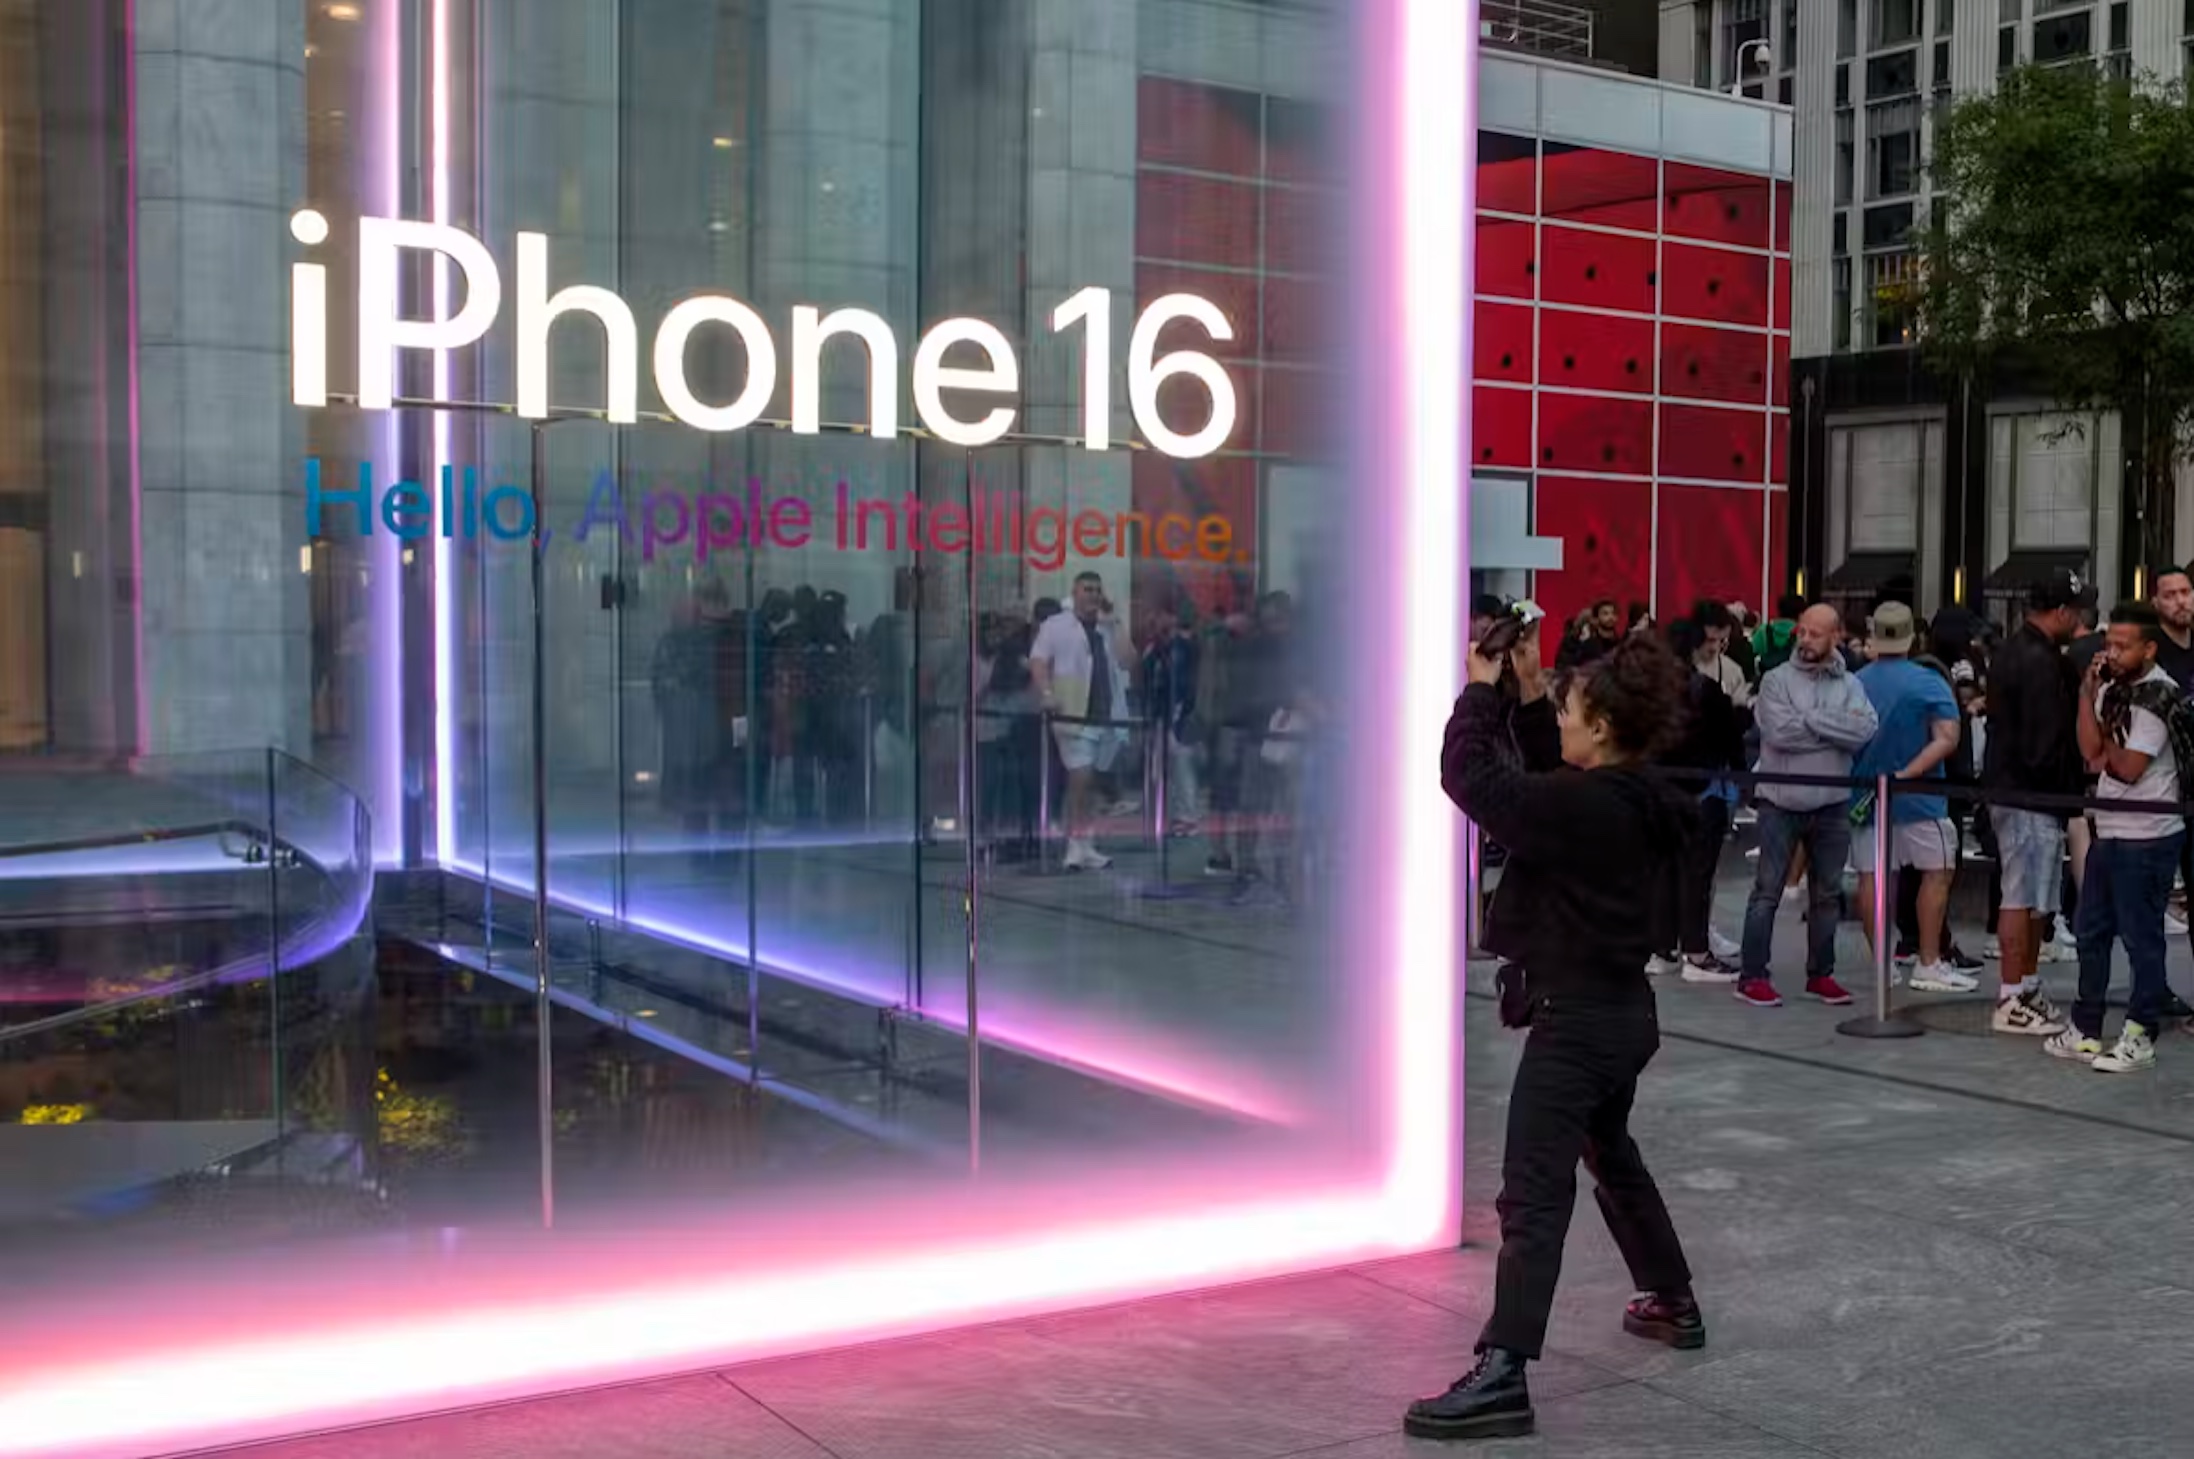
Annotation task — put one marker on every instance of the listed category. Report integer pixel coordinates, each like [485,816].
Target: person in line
[1813,718]
[2126,703]
[1713,659]
[1774,641]
[2033,703]
[2172,595]
[1596,842]
[1739,649]
[1081,663]
[1594,637]
[1918,734]
[1957,770]
[1712,743]
[1170,662]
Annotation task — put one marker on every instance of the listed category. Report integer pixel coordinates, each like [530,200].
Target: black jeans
[1702,860]
[1572,1102]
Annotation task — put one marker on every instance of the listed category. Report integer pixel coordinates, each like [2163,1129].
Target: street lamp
[1764,51]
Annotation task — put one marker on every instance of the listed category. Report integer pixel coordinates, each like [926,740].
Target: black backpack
[2170,705]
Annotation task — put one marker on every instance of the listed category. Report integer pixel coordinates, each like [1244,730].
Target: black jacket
[1591,886]
[1714,737]
[2033,699]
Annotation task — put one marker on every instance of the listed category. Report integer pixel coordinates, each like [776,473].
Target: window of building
[1892,149]
[1840,325]
[1702,44]
[1944,11]
[1847,28]
[2007,49]
[1893,22]
[1889,226]
[1942,66]
[1790,34]
[1889,299]
[1782,91]
[1897,74]
[1744,23]
[1843,85]
[2010,10]
[2121,26]
[1846,150]
[1840,233]
[2064,38]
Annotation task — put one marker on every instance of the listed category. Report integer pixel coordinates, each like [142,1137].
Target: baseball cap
[1890,631]
[2060,587]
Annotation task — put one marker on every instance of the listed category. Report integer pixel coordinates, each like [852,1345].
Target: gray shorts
[2030,857]
[1922,845]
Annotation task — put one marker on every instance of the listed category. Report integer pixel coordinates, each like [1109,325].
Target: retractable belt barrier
[1885,1021]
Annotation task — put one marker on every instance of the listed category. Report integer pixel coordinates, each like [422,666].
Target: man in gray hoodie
[1813,717]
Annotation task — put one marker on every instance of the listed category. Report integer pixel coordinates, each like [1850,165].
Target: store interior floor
[1943,1247]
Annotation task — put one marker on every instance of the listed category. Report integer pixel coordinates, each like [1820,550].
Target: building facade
[1907,483]
[1631,345]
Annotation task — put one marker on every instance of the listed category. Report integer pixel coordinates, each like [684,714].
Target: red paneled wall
[1649,303]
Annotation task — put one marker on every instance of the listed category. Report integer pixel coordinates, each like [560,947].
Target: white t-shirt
[2160,781]
[1063,644]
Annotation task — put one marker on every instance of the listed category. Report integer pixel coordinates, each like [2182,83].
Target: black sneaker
[2173,1006]
[1491,1401]
[1219,866]
[1963,961]
[1671,1320]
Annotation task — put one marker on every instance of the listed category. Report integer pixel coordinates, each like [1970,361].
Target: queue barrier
[1886,1020]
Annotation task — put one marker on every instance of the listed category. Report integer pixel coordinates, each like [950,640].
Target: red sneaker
[1758,992]
[1828,990]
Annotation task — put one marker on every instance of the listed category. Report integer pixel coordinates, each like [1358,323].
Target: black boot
[1491,1401]
[1666,1318]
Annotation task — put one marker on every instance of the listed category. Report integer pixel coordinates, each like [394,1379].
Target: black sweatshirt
[2033,701]
[1591,886]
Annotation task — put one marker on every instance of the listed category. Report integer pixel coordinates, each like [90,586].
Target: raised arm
[1528,814]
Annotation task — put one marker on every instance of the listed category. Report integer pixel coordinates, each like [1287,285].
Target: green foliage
[2068,241]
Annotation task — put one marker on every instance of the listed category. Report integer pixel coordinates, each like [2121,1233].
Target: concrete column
[1813,188]
[220,161]
[2159,36]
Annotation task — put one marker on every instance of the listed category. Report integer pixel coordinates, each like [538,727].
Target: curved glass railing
[186,990]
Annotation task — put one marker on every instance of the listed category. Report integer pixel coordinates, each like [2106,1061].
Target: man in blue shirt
[1919,721]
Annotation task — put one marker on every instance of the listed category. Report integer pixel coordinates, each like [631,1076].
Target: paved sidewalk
[1938,1248]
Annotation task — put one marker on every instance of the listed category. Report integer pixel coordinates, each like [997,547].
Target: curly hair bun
[1639,692]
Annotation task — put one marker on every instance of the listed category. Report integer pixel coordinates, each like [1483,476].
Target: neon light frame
[1421,53]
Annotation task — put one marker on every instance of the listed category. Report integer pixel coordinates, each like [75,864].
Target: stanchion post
[1882,1023]
[1473,886]
[868,759]
[1043,792]
[1161,816]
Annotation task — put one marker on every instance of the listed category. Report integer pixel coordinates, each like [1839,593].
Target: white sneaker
[1940,978]
[1721,946]
[2073,1045]
[1992,951]
[1081,856]
[1661,965]
[2056,951]
[1793,895]
[2174,922]
[1745,816]
[1708,969]
[2134,1051]
[2028,1013]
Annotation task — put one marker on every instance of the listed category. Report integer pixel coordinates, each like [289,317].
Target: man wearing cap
[1919,730]
[2033,700]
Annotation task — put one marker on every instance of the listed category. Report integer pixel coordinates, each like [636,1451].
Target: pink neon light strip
[445,609]
[220,1391]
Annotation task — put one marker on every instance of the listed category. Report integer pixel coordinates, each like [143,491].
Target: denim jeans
[1826,835]
[2128,883]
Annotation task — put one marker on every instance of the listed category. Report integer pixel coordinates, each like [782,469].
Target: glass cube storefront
[686,678]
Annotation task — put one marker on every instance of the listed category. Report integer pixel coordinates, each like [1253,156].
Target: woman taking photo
[1591,890]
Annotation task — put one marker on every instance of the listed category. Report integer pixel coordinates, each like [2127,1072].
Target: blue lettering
[360,500]
[407,511]
[605,505]
[491,508]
